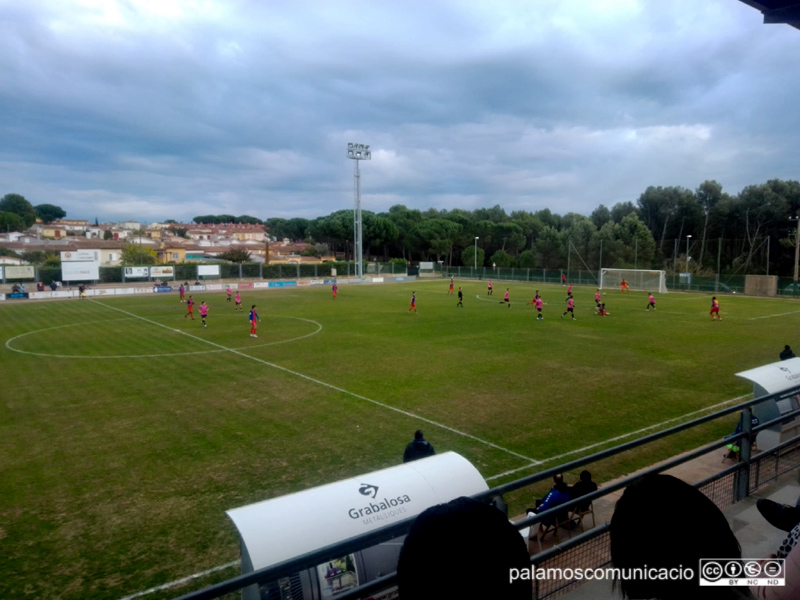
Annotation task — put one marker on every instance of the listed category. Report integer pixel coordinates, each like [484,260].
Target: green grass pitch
[127,430]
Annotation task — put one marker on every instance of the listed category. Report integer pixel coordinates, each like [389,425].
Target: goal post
[638,279]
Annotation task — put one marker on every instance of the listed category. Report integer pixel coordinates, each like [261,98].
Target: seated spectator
[446,538]
[584,486]
[558,495]
[664,523]
[787,353]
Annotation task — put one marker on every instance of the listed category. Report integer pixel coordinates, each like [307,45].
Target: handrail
[312,559]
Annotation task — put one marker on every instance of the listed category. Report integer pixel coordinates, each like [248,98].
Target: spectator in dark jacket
[419,448]
[583,487]
[787,353]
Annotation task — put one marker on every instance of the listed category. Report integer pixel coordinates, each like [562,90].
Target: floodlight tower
[358,152]
[796,246]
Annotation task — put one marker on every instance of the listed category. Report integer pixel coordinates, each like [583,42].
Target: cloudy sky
[156,109]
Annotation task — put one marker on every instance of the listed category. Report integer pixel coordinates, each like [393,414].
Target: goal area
[638,279]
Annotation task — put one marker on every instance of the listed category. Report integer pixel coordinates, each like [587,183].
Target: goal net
[638,279]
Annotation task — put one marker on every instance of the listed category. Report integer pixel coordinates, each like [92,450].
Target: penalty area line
[328,385]
[177,582]
[794,312]
[621,437]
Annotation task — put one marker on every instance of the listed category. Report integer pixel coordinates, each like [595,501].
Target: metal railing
[590,548]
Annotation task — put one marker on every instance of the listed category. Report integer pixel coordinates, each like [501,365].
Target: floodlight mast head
[358,152]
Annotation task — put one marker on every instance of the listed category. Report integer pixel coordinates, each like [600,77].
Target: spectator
[53,286]
[790,550]
[446,538]
[584,486]
[787,518]
[733,447]
[419,448]
[646,529]
[558,495]
[787,353]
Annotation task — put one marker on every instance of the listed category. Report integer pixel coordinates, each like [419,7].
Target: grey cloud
[246,107]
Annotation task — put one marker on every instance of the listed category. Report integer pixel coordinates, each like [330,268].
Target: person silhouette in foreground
[446,539]
[646,529]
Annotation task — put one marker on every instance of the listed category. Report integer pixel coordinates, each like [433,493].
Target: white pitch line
[328,385]
[621,437]
[479,297]
[171,584]
[794,312]
[118,356]
[511,472]
[533,464]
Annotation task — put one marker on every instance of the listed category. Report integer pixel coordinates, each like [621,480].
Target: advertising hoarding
[137,271]
[26,272]
[208,270]
[162,271]
[80,271]
[80,256]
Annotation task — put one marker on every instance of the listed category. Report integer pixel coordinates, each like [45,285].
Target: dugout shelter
[773,379]
[290,526]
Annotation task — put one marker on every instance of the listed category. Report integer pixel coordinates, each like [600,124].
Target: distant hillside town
[163,242]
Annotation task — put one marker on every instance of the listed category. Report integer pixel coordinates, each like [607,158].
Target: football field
[126,429]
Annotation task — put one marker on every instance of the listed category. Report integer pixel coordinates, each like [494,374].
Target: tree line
[724,232]
[17,214]
[752,231]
